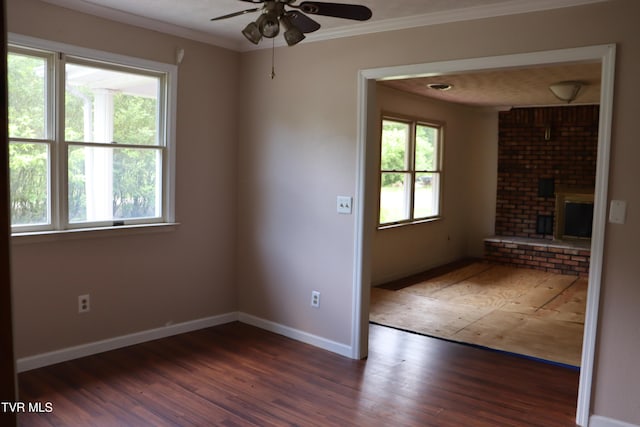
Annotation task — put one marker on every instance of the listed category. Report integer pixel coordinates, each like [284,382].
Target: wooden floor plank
[421,314]
[430,274]
[428,287]
[558,341]
[536,297]
[531,312]
[238,375]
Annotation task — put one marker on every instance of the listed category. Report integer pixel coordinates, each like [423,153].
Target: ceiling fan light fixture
[268,25]
[292,35]
[296,24]
[252,33]
[566,91]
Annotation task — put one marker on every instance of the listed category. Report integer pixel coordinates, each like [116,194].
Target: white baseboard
[305,337]
[57,356]
[600,421]
[70,353]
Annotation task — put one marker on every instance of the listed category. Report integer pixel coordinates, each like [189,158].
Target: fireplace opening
[574,211]
[578,219]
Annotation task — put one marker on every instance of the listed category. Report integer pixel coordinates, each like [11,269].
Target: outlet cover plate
[343,204]
[315,299]
[618,212]
[84,303]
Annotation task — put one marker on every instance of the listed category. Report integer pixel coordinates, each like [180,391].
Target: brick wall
[524,157]
[538,256]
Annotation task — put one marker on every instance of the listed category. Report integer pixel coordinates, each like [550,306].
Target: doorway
[367,170]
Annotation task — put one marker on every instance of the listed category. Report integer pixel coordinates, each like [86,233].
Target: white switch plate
[618,212]
[343,205]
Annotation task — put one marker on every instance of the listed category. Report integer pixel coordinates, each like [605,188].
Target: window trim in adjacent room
[410,169]
[59,222]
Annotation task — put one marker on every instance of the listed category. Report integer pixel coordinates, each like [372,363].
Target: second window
[410,171]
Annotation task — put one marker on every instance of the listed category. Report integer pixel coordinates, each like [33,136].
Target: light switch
[617,212]
[344,205]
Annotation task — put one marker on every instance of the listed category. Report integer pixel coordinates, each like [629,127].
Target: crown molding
[455,15]
[147,23]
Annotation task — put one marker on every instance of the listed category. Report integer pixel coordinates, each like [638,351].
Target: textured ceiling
[508,88]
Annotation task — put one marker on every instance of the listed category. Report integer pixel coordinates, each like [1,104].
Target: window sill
[404,224]
[90,233]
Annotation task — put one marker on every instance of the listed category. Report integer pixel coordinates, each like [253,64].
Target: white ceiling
[498,88]
[191,18]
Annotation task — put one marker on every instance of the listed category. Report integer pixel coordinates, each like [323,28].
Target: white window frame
[413,123]
[59,222]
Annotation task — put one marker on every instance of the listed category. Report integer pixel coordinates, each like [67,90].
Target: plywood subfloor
[528,312]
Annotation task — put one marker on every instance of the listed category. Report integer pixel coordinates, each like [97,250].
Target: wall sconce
[566,91]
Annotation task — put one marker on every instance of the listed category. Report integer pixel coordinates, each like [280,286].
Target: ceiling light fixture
[268,25]
[440,86]
[292,34]
[566,91]
[252,33]
[295,22]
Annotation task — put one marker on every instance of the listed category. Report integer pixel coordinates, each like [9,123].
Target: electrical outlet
[315,299]
[84,303]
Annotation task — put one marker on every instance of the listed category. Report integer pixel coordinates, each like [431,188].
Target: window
[90,142]
[410,171]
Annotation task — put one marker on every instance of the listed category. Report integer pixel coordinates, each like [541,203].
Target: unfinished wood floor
[523,311]
[238,375]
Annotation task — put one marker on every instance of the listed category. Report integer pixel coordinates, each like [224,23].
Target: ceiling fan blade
[303,22]
[231,15]
[336,10]
[253,1]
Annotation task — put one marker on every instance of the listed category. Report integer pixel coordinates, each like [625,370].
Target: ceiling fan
[295,22]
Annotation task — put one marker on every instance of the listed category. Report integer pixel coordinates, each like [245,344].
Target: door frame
[366,189]
[8,381]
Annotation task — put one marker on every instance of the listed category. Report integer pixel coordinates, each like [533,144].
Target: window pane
[103,105]
[395,194]
[426,148]
[395,146]
[29,183]
[426,195]
[27,96]
[114,183]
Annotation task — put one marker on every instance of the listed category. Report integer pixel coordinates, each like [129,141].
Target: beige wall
[296,154]
[139,282]
[482,180]
[468,193]
[296,145]
[298,148]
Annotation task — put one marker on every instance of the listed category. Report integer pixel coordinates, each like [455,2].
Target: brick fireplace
[544,154]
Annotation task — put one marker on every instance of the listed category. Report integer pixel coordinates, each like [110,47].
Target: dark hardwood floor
[238,375]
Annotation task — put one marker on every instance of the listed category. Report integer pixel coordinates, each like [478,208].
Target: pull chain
[273,54]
